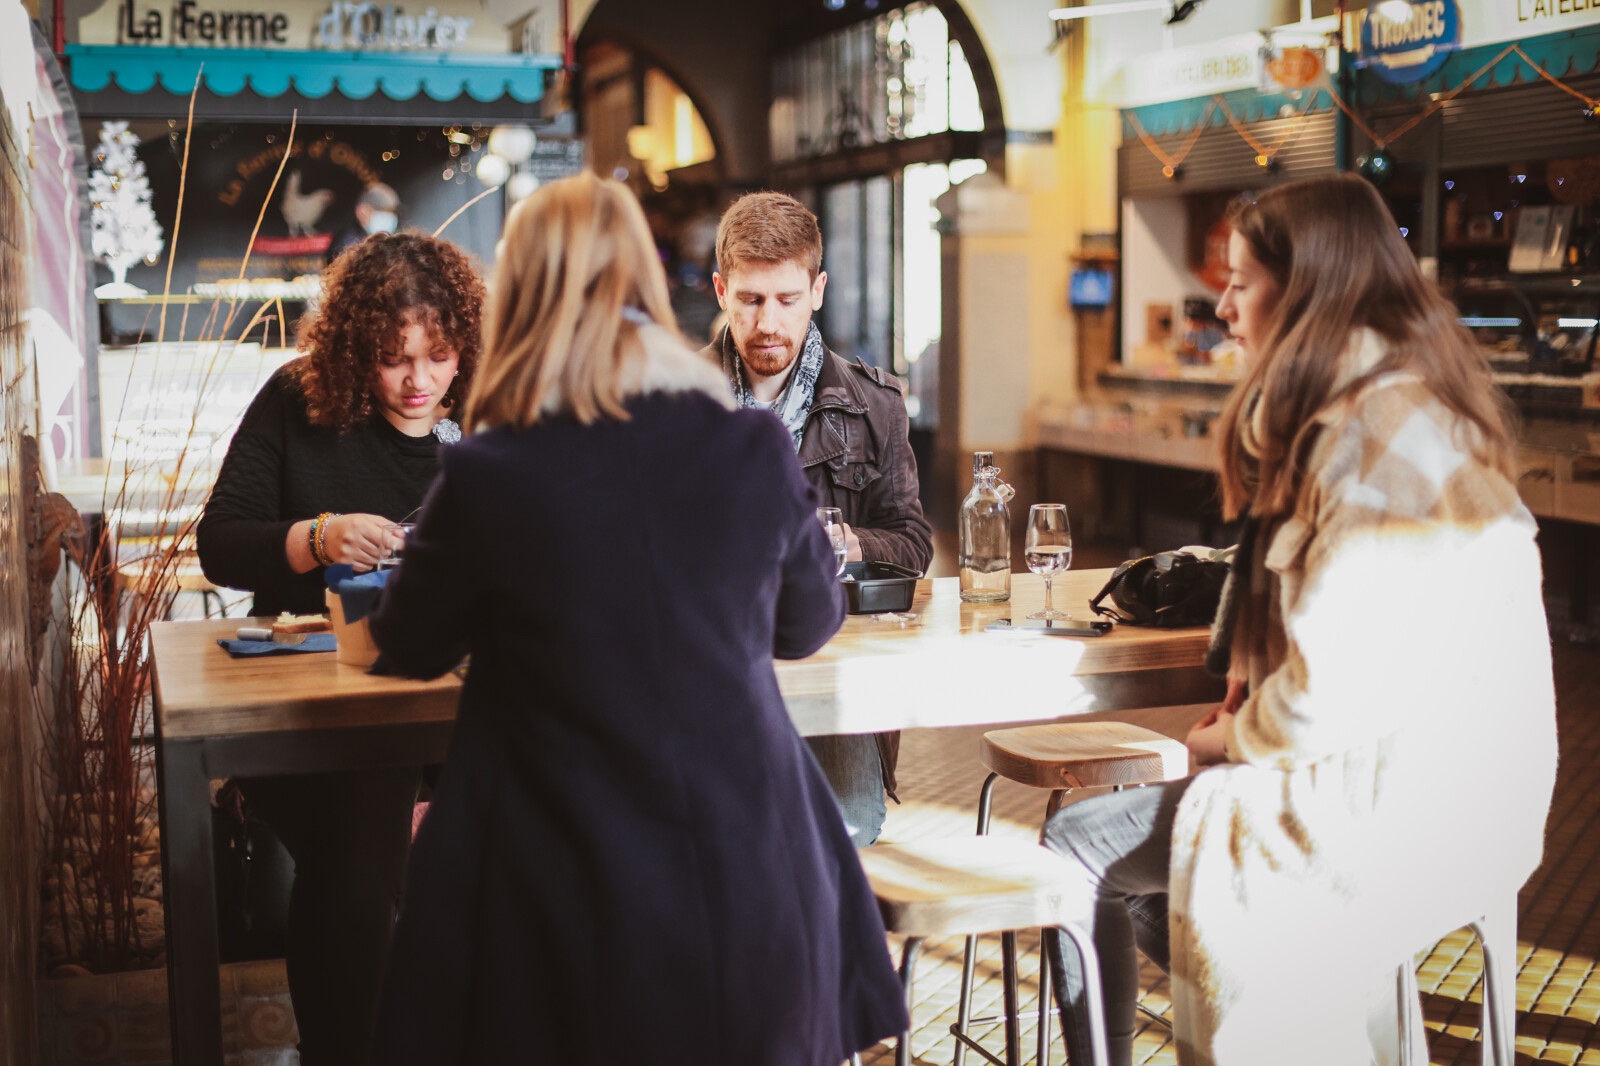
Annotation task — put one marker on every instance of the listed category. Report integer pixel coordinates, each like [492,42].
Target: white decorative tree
[125,226]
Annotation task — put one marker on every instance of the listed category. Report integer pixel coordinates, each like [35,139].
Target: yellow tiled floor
[1558,994]
[1558,987]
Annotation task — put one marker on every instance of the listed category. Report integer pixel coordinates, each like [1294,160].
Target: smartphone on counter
[1059,627]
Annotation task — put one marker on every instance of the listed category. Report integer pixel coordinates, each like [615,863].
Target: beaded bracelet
[319,537]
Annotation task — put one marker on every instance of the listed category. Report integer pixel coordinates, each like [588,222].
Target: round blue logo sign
[1405,42]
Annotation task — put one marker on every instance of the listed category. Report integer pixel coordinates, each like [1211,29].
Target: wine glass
[1048,550]
[832,520]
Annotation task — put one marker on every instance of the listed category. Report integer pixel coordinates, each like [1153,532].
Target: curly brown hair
[366,295]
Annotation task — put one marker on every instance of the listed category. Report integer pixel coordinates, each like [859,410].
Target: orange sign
[1295,68]
[1214,267]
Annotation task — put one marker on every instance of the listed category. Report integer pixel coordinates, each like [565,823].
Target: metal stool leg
[1498,937]
[1042,1053]
[969,956]
[1052,805]
[908,962]
[1013,1024]
[1496,933]
[1406,990]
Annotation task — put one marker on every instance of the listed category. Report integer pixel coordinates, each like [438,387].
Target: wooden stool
[957,886]
[149,578]
[1060,757]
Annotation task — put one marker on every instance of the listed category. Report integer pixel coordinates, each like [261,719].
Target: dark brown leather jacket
[857,453]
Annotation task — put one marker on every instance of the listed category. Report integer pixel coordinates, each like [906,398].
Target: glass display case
[1519,252]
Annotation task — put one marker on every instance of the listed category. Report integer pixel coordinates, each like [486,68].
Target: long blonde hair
[575,255]
[1340,263]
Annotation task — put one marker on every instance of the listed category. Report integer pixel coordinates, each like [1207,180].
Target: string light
[1378,161]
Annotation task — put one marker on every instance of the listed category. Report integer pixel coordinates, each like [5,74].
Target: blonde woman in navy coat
[631,857]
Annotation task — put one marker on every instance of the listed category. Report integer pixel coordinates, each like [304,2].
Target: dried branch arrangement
[97,774]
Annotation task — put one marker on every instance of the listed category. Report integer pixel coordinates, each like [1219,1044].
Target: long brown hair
[575,254]
[368,294]
[1340,263]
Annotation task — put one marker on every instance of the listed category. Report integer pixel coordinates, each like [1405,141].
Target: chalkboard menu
[553,159]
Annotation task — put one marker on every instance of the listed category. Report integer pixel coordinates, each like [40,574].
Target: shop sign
[1498,21]
[1286,58]
[1401,51]
[1181,73]
[334,25]
[191,25]
[1293,67]
[366,25]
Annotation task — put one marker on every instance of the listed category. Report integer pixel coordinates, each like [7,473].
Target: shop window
[1519,253]
[896,77]
[882,253]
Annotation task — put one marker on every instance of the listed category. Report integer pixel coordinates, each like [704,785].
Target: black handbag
[1167,589]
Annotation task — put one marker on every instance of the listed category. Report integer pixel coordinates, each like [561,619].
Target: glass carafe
[984,535]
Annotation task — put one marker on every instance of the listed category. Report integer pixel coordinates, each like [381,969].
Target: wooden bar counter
[219,717]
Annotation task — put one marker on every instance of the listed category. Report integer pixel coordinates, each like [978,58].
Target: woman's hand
[358,539]
[1207,737]
[361,540]
[1235,696]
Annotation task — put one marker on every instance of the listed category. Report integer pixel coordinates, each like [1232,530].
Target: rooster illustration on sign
[301,210]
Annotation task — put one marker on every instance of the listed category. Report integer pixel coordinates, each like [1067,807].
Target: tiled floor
[122,1019]
[1558,988]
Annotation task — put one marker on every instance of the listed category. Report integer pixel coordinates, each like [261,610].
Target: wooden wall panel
[19,736]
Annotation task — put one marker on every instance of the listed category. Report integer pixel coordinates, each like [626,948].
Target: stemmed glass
[832,520]
[1048,550]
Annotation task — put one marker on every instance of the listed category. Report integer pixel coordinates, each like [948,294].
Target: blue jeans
[851,765]
[1121,843]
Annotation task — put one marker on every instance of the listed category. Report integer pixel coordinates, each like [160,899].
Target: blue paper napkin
[358,592]
[313,642]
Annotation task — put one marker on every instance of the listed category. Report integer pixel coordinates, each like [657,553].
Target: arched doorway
[867,110]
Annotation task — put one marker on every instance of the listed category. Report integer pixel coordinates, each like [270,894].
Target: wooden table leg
[193,955]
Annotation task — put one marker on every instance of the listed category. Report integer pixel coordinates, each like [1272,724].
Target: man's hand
[1207,736]
[852,545]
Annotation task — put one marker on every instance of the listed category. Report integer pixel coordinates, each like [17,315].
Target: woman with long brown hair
[631,857]
[1388,657]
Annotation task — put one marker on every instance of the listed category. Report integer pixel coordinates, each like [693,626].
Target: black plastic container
[879,587]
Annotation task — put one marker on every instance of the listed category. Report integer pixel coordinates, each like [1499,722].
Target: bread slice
[292,628]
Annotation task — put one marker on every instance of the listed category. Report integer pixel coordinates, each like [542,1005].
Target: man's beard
[768,364]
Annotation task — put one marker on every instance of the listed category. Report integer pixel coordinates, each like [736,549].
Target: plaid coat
[1391,770]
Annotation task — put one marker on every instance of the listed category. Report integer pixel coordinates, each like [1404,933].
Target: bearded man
[850,430]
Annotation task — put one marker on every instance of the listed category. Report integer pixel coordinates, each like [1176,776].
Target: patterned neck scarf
[794,402]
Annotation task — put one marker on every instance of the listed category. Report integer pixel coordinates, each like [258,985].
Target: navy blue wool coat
[631,857]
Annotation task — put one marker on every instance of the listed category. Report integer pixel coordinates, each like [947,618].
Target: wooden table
[219,717]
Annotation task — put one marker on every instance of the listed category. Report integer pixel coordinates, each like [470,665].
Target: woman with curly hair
[341,443]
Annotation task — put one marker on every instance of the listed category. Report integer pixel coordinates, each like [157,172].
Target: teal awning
[1562,55]
[1247,105]
[441,76]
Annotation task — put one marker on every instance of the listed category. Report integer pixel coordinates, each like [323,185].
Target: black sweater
[281,469]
